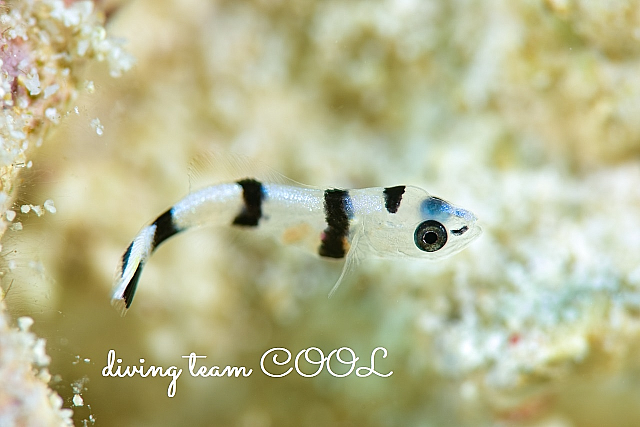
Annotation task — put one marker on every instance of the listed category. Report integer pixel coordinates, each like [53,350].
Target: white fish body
[401,221]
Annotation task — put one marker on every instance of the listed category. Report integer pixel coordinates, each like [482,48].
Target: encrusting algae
[44,47]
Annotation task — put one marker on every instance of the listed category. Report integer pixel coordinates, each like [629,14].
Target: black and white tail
[136,255]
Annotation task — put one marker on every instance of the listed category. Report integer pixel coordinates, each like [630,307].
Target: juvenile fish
[402,221]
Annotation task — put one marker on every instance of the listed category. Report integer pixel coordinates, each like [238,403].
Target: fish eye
[430,236]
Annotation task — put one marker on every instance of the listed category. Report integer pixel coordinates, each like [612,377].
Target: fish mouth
[473,231]
[470,231]
[460,231]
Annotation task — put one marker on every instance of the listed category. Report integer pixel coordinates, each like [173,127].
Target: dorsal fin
[217,165]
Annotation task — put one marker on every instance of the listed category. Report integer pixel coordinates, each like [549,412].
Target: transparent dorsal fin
[350,263]
[217,165]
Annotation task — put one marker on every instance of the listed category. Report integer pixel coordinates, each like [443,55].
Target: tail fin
[136,255]
[130,268]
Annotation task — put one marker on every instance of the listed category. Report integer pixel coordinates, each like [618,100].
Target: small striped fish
[400,221]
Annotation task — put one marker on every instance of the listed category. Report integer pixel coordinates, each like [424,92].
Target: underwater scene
[467,172]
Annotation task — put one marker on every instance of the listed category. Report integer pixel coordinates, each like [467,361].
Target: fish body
[401,221]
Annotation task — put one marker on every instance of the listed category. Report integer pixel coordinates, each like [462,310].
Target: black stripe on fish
[130,290]
[125,258]
[252,195]
[393,197]
[165,228]
[334,238]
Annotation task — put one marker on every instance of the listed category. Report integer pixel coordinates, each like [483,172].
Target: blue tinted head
[436,208]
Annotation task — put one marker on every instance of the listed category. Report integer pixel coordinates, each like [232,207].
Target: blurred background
[523,112]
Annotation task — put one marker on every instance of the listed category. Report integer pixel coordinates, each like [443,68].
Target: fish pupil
[430,236]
